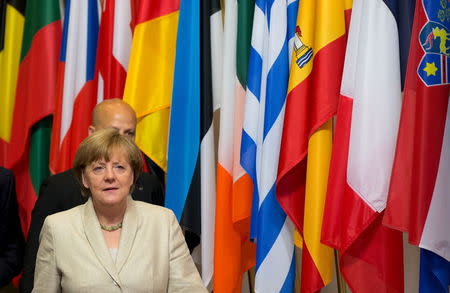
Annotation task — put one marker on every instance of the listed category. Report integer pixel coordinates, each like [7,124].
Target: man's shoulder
[148,189]
[61,183]
[148,178]
[60,191]
[63,177]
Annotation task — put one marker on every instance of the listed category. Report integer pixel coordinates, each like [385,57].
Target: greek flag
[268,74]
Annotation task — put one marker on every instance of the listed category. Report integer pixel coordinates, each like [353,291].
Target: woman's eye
[120,168]
[97,169]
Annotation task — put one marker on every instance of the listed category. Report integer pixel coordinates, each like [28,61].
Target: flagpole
[340,281]
[251,279]
[342,288]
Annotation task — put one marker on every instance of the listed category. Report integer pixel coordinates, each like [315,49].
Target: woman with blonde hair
[113,243]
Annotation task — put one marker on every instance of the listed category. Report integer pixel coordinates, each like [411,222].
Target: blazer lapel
[128,234]
[97,241]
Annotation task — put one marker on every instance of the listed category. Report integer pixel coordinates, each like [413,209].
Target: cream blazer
[152,254]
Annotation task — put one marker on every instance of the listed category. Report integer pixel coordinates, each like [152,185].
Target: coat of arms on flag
[434,37]
[303,53]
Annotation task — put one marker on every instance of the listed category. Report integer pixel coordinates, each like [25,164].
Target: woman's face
[109,182]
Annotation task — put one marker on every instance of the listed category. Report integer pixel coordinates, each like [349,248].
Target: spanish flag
[313,92]
[148,88]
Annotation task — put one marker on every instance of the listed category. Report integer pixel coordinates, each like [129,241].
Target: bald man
[61,192]
[117,114]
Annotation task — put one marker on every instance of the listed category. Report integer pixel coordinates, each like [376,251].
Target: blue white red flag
[77,86]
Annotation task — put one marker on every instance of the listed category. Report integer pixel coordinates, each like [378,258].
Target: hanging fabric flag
[183,173]
[371,256]
[233,252]
[434,273]
[313,92]
[210,29]
[261,138]
[418,200]
[12,19]
[216,40]
[114,45]
[34,101]
[77,87]
[148,88]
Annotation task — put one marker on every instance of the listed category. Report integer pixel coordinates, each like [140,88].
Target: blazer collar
[128,234]
[97,241]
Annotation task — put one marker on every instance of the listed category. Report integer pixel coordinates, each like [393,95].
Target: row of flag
[280,72]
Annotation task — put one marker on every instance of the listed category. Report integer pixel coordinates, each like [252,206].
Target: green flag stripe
[36,18]
[244,36]
[39,151]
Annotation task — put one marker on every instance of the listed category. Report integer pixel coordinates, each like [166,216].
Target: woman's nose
[109,174]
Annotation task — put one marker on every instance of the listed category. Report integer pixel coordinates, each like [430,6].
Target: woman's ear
[83,178]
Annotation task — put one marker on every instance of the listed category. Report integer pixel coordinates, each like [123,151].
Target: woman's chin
[111,201]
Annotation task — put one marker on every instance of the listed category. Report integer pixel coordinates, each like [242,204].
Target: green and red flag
[25,148]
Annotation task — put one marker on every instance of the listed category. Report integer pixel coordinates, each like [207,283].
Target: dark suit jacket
[61,192]
[11,238]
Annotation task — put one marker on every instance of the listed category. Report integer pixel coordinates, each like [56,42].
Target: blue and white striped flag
[261,137]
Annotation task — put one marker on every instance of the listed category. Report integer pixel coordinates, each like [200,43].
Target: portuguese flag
[26,150]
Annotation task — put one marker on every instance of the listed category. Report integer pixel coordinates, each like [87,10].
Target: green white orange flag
[148,88]
[315,78]
[233,252]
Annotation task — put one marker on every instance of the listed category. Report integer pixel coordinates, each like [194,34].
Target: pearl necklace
[111,228]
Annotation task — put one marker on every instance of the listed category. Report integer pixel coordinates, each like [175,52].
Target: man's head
[114,113]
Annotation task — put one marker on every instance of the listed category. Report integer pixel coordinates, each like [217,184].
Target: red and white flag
[77,85]
[371,257]
[114,45]
[419,201]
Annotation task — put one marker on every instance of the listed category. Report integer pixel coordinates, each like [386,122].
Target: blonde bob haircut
[99,146]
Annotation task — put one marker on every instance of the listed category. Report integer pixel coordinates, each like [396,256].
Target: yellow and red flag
[315,78]
[148,88]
